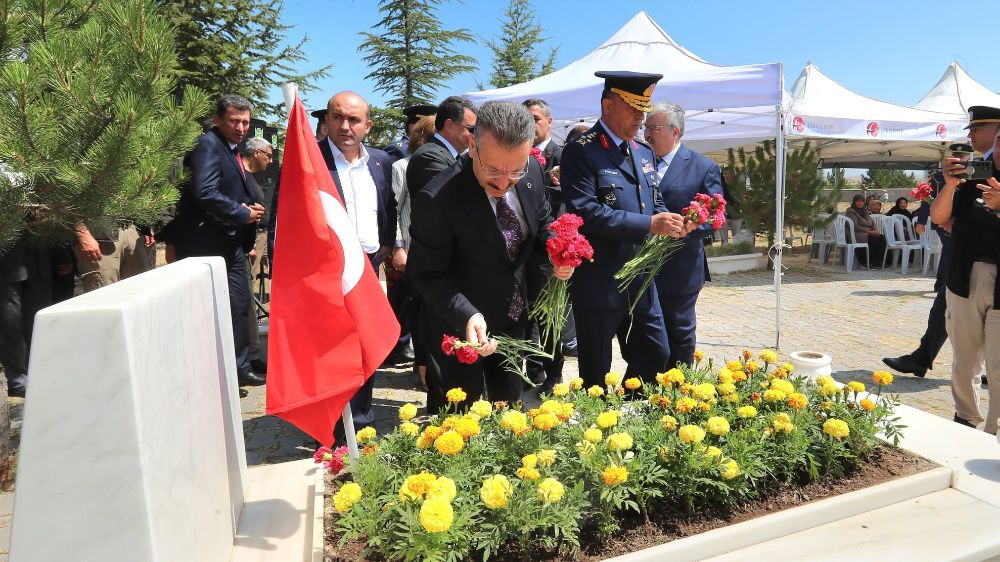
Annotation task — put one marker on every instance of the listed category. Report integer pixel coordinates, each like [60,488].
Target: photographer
[969,207]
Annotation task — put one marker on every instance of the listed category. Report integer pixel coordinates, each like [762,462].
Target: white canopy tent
[853,131]
[725,106]
[956,91]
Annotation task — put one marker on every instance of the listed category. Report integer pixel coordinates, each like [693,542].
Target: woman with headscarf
[865,230]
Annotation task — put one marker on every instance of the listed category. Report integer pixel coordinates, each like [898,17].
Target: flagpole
[290,91]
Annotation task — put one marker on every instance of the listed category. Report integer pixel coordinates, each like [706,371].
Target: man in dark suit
[682,173]
[454,122]
[217,214]
[401,148]
[610,181]
[363,177]
[475,229]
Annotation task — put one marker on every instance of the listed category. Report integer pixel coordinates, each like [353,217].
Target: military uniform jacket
[616,199]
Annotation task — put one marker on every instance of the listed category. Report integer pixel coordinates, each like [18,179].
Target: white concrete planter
[721,265]
[810,365]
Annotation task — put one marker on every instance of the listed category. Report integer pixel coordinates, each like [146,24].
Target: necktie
[624,148]
[511,229]
[239,161]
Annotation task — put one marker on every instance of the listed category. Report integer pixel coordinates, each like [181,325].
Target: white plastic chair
[908,241]
[887,227]
[931,242]
[822,238]
[847,242]
[789,238]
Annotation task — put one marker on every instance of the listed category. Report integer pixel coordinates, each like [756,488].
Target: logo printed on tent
[799,124]
[872,128]
[941,130]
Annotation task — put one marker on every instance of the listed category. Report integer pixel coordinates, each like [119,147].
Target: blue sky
[890,50]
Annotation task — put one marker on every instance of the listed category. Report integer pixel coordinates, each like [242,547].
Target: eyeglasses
[270,155]
[653,128]
[493,173]
[470,128]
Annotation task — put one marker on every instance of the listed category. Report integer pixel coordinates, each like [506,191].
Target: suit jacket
[381,171]
[553,155]
[398,150]
[616,200]
[689,173]
[432,158]
[211,215]
[458,258]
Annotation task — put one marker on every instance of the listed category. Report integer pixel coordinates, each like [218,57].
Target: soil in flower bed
[885,464]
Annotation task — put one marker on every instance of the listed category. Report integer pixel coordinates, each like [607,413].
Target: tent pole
[779,219]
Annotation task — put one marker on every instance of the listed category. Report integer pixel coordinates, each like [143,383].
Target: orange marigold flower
[882,377]
[867,405]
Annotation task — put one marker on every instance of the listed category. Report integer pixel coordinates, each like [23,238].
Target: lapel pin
[528,185]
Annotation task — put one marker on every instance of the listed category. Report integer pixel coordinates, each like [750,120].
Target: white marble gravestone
[132,443]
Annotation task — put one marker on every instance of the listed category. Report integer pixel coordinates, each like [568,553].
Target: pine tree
[515,55]
[238,47]
[887,179]
[836,177]
[89,125]
[410,54]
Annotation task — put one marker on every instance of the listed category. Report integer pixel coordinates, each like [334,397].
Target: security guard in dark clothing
[609,179]
[401,148]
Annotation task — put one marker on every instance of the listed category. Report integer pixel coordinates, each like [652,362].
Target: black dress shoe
[18,392]
[258,366]
[251,379]
[905,364]
[963,422]
[243,392]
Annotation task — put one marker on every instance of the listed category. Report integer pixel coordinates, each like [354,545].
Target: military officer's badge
[605,142]
[647,167]
[609,198]
[657,197]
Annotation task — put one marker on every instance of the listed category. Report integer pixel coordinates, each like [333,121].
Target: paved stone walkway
[857,318]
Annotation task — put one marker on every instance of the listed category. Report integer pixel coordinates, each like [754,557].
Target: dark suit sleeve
[422,169]
[206,177]
[387,234]
[432,249]
[580,192]
[272,220]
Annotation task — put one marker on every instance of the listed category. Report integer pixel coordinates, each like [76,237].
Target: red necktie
[239,160]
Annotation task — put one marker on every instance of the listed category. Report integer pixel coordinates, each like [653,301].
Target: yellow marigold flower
[729,469]
[633,383]
[534,412]
[566,411]
[712,452]
[733,398]
[768,356]
[726,389]
[496,492]
[576,383]
[725,376]
[481,408]
[746,411]
[545,422]
[669,423]
[550,491]
[782,423]
[407,411]
[617,442]
[882,377]
[346,497]
[456,395]
[685,405]
[619,391]
[685,388]
[593,435]
[528,473]
[409,428]
[449,422]
[747,354]
[705,406]
[835,428]
[607,419]
[867,405]
[500,405]
[717,425]
[613,378]
[824,380]
[704,391]
[661,379]
[774,395]
[779,373]
[734,365]
[550,407]
[674,376]
[825,405]
[752,366]
[828,390]
[442,488]
[855,386]
[586,448]
[691,434]
[366,434]
[513,420]
[450,443]
[614,475]
[529,460]
[798,400]
[595,391]
[428,436]
[560,389]
[782,385]
[739,375]
[416,485]
[436,515]
[666,453]
[546,457]
[369,449]
[698,356]
[782,416]
[467,427]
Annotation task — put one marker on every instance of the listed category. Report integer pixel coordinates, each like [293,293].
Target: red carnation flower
[448,344]
[537,153]
[466,355]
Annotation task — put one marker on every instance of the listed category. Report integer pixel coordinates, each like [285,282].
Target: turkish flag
[330,322]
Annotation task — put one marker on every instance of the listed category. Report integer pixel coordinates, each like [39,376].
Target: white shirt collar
[451,149]
[541,146]
[614,138]
[989,153]
[669,157]
[338,154]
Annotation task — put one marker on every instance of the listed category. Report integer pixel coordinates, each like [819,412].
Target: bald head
[347,123]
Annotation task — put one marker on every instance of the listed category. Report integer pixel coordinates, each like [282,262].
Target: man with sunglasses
[454,123]
[476,230]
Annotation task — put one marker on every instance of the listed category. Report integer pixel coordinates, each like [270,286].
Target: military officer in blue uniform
[609,179]
[401,148]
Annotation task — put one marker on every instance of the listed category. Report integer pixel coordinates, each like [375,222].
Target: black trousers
[936,333]
[19,301]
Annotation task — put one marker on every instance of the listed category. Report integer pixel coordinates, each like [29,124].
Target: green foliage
[515,54]
[410,54]
[385,126]
[89,126]
[806,193]
[697,436]
[238,47]
[836,177]
[887,179]
[734,249]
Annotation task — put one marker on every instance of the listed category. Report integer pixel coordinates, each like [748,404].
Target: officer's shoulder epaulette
[586,138]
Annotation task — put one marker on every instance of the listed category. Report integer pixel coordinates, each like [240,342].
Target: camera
[979,169]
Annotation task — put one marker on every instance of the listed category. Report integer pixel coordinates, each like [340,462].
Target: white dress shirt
[451,149]
[360,196]
[664,163]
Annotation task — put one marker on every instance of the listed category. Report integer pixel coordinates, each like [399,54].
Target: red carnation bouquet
[331,459]
[537,153]
[923,192]
[567,248]
[512,350]
[657,249]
